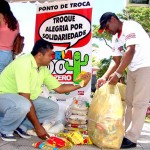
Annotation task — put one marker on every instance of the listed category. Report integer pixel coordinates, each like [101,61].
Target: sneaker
[22,133]
[126,143]
[8,137]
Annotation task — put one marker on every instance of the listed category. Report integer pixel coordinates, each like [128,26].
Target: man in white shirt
[130,49]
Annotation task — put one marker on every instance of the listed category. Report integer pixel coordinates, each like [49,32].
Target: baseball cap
[103,20]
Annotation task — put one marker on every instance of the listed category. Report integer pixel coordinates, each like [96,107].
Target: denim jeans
[14,108]
[5,59]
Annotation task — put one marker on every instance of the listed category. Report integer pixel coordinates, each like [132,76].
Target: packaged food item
[44,145]
[77,117]
[73,137]
[76,138]
[56,129]
[79,122]
[79,79]
[81,113]
[53,143]
[80,105]
[77,126]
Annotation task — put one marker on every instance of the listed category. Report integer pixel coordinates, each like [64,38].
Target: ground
[23,144]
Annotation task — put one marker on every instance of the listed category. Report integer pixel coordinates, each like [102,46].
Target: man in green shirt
[21,83]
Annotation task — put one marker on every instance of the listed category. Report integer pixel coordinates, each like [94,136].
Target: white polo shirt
[133,34]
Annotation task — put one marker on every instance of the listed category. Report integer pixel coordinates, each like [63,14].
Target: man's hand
[86,78]
[113,79]
[41,133]
[100,82]
[65,88]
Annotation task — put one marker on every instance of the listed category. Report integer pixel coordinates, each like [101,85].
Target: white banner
[67,24]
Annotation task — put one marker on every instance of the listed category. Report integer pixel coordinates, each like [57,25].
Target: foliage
[102,36]
[139,14]
[103,66]
[94,61]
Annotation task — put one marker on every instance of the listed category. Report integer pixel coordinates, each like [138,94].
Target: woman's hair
[41,46]
[8,15]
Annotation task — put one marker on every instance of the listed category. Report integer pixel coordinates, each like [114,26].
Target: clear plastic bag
[105,117]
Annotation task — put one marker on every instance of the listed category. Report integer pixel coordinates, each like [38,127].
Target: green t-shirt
[23,76]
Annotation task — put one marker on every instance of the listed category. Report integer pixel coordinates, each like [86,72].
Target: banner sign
[67,24]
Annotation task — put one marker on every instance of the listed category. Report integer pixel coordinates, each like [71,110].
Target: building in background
[137,3]
[143,3]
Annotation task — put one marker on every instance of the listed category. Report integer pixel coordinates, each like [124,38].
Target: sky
[26,13]
[102,6]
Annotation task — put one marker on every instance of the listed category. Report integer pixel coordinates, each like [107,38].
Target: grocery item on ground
[76,116]
[50,127]
[75,131]
[53,143]
[76,138]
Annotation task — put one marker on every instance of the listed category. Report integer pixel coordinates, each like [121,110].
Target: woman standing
[9,28]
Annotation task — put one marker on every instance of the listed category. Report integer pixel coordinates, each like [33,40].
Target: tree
[104,36]
[139,14]
[103,66]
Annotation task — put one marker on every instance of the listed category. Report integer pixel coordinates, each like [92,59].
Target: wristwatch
[117,74]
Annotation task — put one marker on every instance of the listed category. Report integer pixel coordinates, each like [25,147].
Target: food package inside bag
[80,105]
[105,117]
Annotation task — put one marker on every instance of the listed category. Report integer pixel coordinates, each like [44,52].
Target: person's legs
[129,99]
[46,109]
[13,110]
[5,59]
[140,103]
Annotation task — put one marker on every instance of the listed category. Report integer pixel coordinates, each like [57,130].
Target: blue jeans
[5,58]
[14,108]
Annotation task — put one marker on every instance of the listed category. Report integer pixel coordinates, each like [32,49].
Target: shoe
[22,133]
[8,137]
[126,143]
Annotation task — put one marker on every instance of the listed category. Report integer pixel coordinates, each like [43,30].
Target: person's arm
[65,88]
[125,61]
[34,120]
[111,69]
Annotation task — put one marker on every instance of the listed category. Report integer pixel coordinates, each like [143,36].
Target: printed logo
[80,92]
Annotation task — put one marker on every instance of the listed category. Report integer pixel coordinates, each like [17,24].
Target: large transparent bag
[105,117]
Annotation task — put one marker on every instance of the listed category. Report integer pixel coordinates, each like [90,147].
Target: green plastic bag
[105,118]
